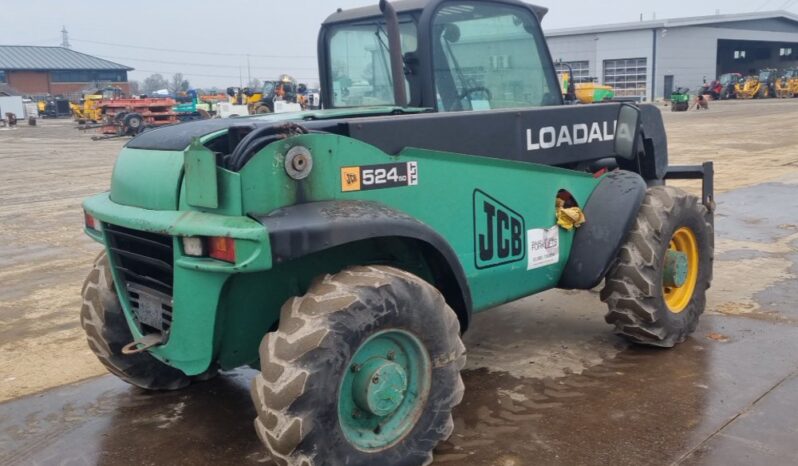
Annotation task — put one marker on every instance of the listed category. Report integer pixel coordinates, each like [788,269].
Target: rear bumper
[198,283]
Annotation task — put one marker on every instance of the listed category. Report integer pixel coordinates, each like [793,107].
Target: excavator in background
[787,83]
[191,106]
[727,82]
[721,88]
[767,76]
[88,109]
[747,87]
[758,86]
[278,96]
[244,96]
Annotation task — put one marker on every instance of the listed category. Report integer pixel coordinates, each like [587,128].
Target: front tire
[364,369]
[657,289]
[107,332]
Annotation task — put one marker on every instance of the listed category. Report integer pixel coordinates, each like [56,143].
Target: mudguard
[303,229]
[610,212]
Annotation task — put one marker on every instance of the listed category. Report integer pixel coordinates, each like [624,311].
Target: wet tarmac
[546,383]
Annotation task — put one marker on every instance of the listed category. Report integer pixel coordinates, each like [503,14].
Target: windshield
[490,56]
[360,63]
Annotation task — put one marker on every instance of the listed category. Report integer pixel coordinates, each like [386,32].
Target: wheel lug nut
[356,368]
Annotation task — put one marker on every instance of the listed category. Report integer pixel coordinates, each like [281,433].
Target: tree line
[176,85]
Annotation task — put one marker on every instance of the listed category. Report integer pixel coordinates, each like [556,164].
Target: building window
[500,62]
[739,54]
[581,69]
[785,52]
[86,76]
[2,76]
[627,76]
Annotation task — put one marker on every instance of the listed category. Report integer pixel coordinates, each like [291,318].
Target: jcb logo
[498,232]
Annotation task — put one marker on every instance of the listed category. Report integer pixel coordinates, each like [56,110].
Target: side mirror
[627,130]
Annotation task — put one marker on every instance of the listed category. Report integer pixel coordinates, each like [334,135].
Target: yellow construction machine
[747,87]
[582,90]
[758,86]
[245,96]
[787,84]
[88,110]
[281,95]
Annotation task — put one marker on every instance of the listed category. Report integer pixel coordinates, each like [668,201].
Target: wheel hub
[680,270]
[384,389]
[675,269]
[379,386]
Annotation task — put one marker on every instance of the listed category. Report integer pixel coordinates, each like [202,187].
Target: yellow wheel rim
[678,297]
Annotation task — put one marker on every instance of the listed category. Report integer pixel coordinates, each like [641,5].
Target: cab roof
[406,6]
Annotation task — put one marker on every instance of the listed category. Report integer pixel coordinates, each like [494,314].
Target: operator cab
[455,54]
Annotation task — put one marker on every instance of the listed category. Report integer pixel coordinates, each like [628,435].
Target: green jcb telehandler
[344,251]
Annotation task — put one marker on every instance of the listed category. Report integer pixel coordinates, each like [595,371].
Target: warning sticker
[388,175]
[543,246]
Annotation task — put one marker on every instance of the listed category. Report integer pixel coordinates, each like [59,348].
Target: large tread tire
[107,332]
[633,287]
[302,362]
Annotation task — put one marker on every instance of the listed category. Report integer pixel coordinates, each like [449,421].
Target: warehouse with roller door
[647,59]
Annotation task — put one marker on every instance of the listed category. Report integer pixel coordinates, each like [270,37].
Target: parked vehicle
[344,251]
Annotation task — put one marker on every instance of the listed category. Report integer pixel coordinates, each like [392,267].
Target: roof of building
[674,22]
[6,90]
[28,57]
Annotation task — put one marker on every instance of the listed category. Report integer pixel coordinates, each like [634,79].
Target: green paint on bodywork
[442,199]
[222,310]
[385,388]
[200,176]
[149,179]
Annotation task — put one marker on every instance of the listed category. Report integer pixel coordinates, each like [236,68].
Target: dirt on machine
[344,251]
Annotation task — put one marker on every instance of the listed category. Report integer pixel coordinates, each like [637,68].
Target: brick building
[38,71]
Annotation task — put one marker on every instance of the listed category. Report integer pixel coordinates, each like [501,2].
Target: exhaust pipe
[395,50]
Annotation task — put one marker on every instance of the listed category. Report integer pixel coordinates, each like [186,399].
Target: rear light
[91,222]
[222,248]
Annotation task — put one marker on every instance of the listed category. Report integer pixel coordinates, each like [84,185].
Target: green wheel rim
[384,390]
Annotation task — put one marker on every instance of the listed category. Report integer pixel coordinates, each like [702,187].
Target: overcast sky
[208,41]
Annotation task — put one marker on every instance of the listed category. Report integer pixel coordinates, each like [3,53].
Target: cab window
[488,56]
[360,64]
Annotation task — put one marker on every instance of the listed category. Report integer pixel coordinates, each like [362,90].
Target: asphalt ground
[546,382]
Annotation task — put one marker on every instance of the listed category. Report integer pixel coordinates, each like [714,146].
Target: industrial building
[647,59]
[38,71]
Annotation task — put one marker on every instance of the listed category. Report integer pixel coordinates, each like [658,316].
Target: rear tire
[640,305]
[303,413]
[107,332]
